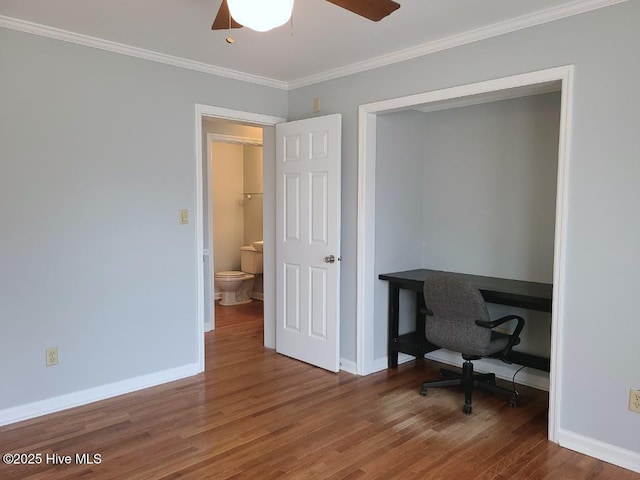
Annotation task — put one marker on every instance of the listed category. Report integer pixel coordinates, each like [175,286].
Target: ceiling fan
[374,10]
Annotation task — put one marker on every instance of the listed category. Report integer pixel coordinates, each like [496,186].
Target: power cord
[513,380]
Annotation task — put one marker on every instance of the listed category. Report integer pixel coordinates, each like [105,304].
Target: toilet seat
[233,275]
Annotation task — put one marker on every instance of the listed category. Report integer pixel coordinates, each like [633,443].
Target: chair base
[469,380]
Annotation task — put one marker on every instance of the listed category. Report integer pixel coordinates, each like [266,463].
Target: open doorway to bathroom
[233,233]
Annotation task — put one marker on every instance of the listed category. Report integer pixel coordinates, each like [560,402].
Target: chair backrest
[455,305]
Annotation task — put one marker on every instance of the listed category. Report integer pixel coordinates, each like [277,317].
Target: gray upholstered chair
[457,319]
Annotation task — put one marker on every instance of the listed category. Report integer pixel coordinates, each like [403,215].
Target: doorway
[509,87]
[233,211]
[267,123]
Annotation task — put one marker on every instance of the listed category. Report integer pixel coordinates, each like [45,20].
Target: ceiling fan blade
[374,10]
[222,19]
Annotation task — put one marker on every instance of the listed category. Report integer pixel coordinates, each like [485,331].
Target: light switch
[184,216]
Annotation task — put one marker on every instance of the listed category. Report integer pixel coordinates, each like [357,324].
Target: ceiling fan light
[261,15]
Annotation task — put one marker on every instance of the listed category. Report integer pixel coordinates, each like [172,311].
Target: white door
[308,157]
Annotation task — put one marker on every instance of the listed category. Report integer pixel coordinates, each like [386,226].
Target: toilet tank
[250,260]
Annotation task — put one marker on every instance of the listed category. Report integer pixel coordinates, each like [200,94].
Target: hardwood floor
[255,414]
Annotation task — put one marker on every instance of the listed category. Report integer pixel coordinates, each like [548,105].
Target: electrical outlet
[51,356]
[634,400]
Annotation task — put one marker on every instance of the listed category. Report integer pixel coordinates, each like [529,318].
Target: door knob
[330,259]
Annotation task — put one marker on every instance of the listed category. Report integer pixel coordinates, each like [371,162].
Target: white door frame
[208,111]
[208,252]
[366,211]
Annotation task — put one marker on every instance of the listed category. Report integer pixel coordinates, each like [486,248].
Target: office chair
[457,319]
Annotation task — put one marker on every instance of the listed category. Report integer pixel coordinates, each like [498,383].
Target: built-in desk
[515,293]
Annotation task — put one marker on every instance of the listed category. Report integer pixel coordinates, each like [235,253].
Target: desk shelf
[529,360]
[413,344]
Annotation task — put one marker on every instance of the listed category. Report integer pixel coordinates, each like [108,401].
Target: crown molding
[549,15]
[544,16]
[114,47]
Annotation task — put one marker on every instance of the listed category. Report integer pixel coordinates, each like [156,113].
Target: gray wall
[600,353]
[490,186]
[97,157]
[399,219]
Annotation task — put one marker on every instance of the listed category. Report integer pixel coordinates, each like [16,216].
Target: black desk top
[516,293]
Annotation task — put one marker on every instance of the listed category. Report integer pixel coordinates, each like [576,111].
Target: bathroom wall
[236,175]
[222,127]
[253,186]
[227,187]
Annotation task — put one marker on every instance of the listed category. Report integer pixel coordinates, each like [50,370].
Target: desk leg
[394,325]
[421,338]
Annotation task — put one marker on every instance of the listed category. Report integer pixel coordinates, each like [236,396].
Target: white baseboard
[348,366]
[208,326]
[83,397]
[382,363]
[600,450]
[529,376]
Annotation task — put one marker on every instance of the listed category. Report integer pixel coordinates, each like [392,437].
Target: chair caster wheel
[513,401]
[466,409]
[423,392]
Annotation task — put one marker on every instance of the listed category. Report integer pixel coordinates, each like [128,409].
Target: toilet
[236,286]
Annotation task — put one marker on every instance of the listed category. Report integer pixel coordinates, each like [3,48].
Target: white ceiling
[325,38]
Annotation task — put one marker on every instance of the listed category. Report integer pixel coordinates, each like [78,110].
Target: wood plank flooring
[255,414]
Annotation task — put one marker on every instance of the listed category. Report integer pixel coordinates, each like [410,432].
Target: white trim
[602,451]
[559,253]
[238,115]
[200,250]
[203,111]
[83,397]
[122,49]
[497,96]
[366,245]
[549,15]
[366,212]
[234,139]
[257,296]
[210,323]
[348,366]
